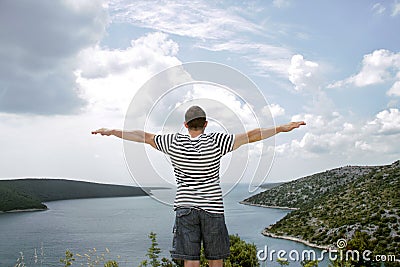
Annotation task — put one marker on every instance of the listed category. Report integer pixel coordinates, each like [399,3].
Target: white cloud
[322,136]
[319,124]
[378,67]
[378,8]
[197,19]
[334,136]
[386,122]
[303,74]
[212,26]
[266,58]
[281,3]
[396,9]
[363,145]
[108,79]
[276,110]
[395,89]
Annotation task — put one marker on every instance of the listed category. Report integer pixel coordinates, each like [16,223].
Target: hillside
[340,203]
[13,200]
[297,193]
[30,193]
[270,185]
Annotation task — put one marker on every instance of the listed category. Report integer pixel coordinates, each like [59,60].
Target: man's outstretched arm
[135,136]
[264,133]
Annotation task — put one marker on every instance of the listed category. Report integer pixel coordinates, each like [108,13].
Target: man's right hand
[290,126]
[104,131]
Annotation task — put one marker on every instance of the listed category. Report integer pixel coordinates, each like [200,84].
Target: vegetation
[153,255]
[30,193]
[270,185]
[90,259]
[242,255]
[299,192]
[358,204]
[10,199]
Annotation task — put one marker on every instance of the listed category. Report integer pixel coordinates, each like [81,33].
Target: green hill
[13,200]
[299,192]
[346,202]
[25,194]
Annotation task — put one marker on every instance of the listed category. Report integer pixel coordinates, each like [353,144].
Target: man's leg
[188,263]
[215,263]
[215,238]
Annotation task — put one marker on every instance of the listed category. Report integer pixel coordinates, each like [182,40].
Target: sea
[101,229]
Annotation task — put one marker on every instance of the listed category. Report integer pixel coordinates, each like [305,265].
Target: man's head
[195,118]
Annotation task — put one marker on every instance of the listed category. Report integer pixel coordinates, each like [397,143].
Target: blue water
[122,226]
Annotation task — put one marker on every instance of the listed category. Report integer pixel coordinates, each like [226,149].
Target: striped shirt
[196,163]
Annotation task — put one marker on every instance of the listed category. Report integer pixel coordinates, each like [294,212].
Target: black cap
[194,112]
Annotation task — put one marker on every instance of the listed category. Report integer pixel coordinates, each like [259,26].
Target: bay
[121,226]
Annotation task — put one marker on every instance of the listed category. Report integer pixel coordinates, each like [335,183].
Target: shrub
[242,254]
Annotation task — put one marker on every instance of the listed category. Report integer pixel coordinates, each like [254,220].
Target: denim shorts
[194,227]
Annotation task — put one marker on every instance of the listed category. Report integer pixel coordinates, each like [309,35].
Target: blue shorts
[194,227]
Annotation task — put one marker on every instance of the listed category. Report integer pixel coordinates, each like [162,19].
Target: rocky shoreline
[295,239]
[22,210]
[266,206]
[265,232]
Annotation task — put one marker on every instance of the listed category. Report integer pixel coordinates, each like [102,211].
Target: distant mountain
[23,194]
[348,202]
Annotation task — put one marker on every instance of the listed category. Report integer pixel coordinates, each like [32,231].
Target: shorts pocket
[183,212]
[215,215]
[187,230]
[214,223]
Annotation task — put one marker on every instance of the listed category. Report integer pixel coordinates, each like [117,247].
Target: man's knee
[216,263]
[190,263]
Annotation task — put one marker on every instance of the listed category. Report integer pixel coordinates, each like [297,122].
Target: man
[198,204]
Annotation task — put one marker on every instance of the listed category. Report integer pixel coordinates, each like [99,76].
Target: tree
[69,258]
[154,250]
[242,254]
[153,254]
[309,263]
[282,262]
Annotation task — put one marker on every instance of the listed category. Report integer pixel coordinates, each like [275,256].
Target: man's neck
[194,133]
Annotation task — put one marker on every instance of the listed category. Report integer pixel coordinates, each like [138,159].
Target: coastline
[295,239]
[24,210]
[265,232]
[266,206]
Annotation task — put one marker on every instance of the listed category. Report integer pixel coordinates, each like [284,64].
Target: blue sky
[71,66]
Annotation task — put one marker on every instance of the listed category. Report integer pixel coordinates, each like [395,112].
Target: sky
[72,66]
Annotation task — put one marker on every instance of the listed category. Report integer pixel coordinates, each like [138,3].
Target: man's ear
[205,124]
[186,125]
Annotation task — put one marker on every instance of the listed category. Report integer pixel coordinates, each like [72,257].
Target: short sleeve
[224,141]
[163,142]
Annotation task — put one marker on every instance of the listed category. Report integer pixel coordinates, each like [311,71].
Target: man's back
[196,163]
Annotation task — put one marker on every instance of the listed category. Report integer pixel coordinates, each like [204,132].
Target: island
[29,194]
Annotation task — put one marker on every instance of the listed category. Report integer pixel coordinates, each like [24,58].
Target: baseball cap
[194,112]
